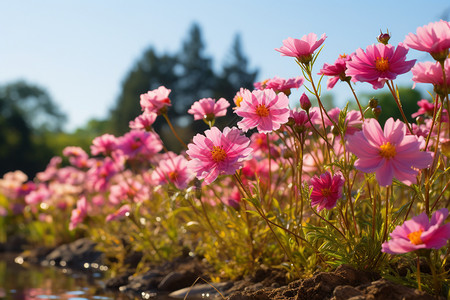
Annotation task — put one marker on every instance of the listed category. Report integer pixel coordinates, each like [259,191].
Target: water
[33,282]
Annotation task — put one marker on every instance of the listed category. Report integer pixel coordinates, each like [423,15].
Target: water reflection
[19,282]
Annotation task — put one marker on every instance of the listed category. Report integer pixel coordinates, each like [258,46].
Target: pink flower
[119,214]
[208,109]
[433,38]
[156,101]
[301,49]
[173,170]
[77,156]
[265,110]
[326,190]
[51,170]
[389,154]
[336,71]
[79,213]
[431,72]
[378,64]
[238,97]
[352,120]
[104,144]
[217,153]
[128,190]
[99,175]
[280,84]
[138,143]
[425,108]
[143,121]
[419,233]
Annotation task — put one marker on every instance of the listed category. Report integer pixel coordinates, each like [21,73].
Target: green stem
[173,130]
[357,101]
[399,105]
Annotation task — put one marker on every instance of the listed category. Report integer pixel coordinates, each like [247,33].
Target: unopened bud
[305,104]
[383,37]
[376,111]
[420,120]
[373,103]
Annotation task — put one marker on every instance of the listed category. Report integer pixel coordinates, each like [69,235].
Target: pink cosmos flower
[280,84]
[419,233]
[51,170]
[378,64]
[143,121]
[79,213]
[389,154]
[336,71]
[77,156]
[104,144]
[238,97]
[174,170]
[39,195]
[217,153]
[123,211]
[99,175]
[352,119]
[431,72]
[433,38]
[156,101]
[208,109]
[128,190]
[138,143]
[265,110]
[326,190]
[301,49]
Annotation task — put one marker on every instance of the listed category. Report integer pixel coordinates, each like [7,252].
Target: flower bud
[420,120]
[376,111]
[373,103]
[384,37]
[304,102]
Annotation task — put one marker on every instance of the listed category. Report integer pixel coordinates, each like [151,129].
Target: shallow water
[33,282]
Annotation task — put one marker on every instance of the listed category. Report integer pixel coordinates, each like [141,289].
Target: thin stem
[357,101]
[173,130]
[399,104]
[418,273]
[386,220]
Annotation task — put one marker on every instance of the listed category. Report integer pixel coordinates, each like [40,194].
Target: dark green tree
[27,115]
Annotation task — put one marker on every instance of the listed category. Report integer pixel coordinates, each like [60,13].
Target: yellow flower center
[262,111]
[414,237]
[173,176]
[238,100]
[382,64]
[325,192]
[343,55]
[387,150]
[218,154]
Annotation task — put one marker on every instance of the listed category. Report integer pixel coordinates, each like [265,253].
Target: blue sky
[80,51]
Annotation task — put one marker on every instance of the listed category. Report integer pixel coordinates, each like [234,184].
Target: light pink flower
[419,233]
[352,120]
[143,121]
[119,214]
[156,101]
[378,64]
[431,72]
[433,38]
[128,190]
[104,144]
[51,170]
[389,154]
[208,109]
[79,213]
[173,170]
[138,143]
[280,84]
[239,97]
[265,110]
[301,49]
[99,175]
[425,108]
[77,156]
[336,71]
[217,153]
[326,190]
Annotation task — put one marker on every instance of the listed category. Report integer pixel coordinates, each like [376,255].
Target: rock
[344,292]
[120,280]
[145,282]
[177,280]
[202,291]
[385,290]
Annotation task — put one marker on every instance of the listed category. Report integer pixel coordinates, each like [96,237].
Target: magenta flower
[433,38]
[128,190]
[336,71]
[301,49]
[208,109]
[217,153]
[425,108]
[123,211]
[431,72]
[280,84]
[104,144]
[143,121]
[378,64]
[174,170]
[265,110]
[138,143]
[419,233]
[326,190]
[389,154]
[77,156]
[79,213]
[156,101]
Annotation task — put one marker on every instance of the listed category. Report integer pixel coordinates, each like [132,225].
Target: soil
[189,275]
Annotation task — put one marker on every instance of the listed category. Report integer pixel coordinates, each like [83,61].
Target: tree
[27,114]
